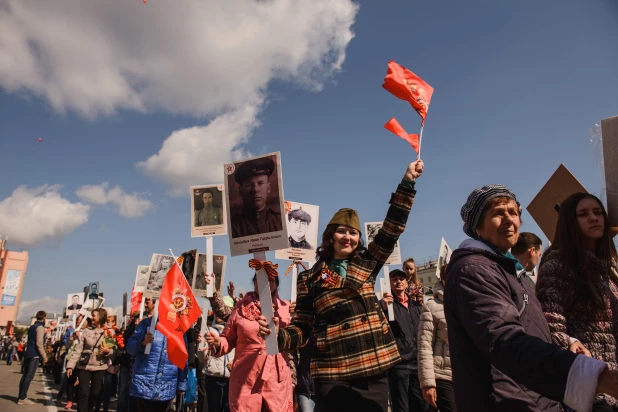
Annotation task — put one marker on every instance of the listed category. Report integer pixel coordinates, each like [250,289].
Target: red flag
[136,301]
[394,126]
[406,85]
[178,311]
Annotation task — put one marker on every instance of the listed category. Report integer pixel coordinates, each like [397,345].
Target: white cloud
[202,58]
[31,216]
[29,308]
[129,205]
[196,155]
[194,57]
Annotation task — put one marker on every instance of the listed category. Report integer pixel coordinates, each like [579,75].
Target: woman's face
[500,226]
[95,317]
[590,218]
[345,241]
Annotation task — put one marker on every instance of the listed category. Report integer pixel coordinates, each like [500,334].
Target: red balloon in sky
[40,139]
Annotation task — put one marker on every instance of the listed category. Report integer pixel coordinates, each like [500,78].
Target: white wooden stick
[204,326]
[266,302]
[420,141]
[387,282]
[209,267]
[294,281]
[142,306]
[74,316]
[153,326]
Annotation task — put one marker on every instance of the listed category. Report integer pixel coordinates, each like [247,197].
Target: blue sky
[517,85]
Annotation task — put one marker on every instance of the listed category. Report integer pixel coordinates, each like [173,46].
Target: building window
[422,280]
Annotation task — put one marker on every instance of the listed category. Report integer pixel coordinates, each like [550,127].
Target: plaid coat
[353,337]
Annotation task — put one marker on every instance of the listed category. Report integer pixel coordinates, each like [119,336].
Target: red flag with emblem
[178,311]
[394,126]
[407,86]
[136,301]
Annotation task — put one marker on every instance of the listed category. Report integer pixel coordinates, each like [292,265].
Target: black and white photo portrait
[371,230]
[302,224]
[444,256]
[159,266]
[141,278]
[199,278]
[255,204]
[208,211]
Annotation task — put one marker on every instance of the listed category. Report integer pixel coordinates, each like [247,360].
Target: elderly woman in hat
[502,355]
[336,300]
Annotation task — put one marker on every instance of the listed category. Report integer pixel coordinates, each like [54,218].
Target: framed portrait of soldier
[302,223]
[198,283]
[255,209]
[75,301]
[444,256]
[208,204]
[371,230]
[141,278]
[159,266]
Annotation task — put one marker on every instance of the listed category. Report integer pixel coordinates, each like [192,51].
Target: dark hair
[570,241]
[102,316]
[276,279]
[443,272]
[326,251]
[208,191]
[40,315]
[74,296]
[525,242]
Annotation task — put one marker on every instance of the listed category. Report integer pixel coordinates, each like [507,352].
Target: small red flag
[178,311]
[407,86]
[136,301]
[394,126]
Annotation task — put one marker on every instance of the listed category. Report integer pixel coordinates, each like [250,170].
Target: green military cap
[261,166]
[299,214]
[346,217]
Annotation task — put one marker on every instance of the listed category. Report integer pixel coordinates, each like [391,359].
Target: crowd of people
[489,339]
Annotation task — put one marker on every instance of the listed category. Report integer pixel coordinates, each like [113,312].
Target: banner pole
[420,142]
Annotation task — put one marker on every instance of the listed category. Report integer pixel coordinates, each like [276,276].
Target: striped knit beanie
[473,209]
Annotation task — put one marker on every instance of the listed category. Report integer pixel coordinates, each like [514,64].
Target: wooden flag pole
[266,303]
[387,288]
[420,141]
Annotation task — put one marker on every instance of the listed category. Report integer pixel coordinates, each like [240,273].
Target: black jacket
[405,330]
[501,351]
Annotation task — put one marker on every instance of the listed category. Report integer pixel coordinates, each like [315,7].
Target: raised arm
[401,202]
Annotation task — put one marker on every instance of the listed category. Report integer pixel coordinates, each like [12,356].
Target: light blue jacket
[154,376]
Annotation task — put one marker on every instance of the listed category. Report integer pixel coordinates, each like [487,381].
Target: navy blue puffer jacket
[154,376]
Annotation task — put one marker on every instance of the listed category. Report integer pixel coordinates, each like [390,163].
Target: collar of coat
[358,273]
[476,245]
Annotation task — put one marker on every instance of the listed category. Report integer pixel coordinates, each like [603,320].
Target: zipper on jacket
[523,308]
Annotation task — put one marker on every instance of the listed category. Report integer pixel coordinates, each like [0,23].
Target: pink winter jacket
[258,381]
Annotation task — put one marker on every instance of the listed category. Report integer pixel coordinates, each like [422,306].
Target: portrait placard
[159,266]
[444,256]
[609,128]
[255,218]
[546,204]
[208,204]
[198,283]
[75,301]
[302,223]
[141,278]
[371,230]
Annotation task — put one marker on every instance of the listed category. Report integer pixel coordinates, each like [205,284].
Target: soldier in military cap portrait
[256,217]
[298,223]
[210,214]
